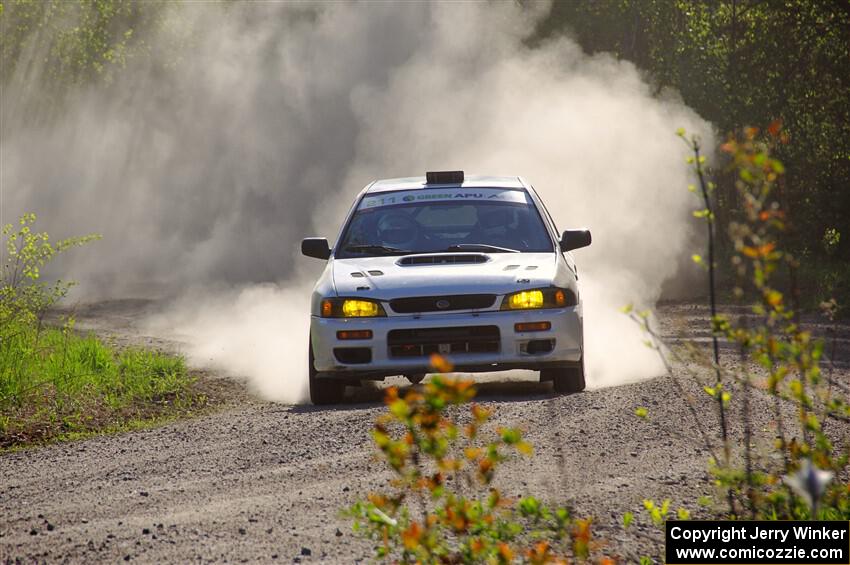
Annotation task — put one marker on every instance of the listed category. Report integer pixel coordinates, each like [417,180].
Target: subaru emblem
[443,304]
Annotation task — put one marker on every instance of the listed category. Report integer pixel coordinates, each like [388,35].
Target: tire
[567,380]
[415,379]
[323,391]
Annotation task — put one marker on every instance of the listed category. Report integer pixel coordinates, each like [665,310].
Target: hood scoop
[442,259]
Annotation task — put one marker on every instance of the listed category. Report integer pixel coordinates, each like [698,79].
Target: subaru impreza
[471,269]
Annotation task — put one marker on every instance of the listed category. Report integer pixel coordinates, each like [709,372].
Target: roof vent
[444,177]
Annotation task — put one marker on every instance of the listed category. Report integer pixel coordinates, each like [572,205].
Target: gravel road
[257,481]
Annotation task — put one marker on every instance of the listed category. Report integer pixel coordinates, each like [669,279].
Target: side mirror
[574,239]
[315,247]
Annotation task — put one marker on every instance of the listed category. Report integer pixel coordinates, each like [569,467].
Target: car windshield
[434,220]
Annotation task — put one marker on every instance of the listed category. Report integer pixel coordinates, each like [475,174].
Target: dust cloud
[254,332]
[203,175]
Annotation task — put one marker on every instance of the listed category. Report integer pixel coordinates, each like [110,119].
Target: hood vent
[465,259]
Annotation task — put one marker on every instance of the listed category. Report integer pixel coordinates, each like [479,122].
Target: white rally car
[472,269]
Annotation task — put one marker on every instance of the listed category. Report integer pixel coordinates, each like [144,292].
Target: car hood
[386,278]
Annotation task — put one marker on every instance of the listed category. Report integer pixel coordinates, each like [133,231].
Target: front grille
[422,342]
[442,303]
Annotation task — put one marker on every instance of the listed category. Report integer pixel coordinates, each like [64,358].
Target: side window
[570,263]
[548,215]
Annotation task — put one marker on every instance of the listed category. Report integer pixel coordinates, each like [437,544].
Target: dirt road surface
[263,482]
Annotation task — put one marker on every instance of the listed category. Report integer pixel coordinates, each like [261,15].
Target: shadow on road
[370,395]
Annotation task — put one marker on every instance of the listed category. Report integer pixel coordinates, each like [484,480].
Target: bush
[780,361]
[56,383]
[442,507]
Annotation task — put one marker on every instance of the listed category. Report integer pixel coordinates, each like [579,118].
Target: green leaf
[529,506]
[400,409]
[562,515]
[511,436]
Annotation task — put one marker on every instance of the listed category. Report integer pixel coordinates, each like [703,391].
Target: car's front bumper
[565,337]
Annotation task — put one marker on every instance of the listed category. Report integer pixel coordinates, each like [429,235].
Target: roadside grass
[56,384]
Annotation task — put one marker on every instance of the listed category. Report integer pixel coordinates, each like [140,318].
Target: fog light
[353,355]
[525,300]
[538,346]
[533,326]
[354,334]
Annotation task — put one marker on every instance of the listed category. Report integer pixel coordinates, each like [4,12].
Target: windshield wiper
[379,248]
[480,247]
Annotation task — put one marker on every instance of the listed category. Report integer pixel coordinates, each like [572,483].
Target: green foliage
[792,477]
[657,512]
[442,507]
[831,239]
[23,296]
[787,354]
[80,41]
[738,62]
[52,49]
[54,382]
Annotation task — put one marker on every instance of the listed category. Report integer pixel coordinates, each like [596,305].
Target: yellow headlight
[526,299]
[360,309]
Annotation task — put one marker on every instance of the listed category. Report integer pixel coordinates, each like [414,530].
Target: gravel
[258,481]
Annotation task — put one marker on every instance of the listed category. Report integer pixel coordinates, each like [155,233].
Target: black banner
[693,542]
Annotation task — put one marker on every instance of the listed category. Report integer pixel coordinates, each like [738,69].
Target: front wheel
[566,380]
[323,391]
